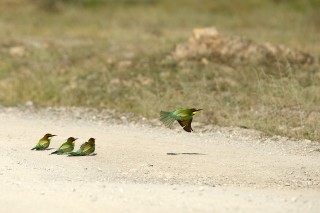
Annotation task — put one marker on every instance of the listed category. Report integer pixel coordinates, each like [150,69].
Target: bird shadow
[185,153]
[94,154]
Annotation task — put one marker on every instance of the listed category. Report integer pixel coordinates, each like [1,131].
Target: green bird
[86,149]
[44,142]
[66,147]
[183,116]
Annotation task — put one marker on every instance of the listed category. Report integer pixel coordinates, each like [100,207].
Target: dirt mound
[210,45]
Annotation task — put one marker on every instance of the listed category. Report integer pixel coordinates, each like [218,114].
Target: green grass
[113,55]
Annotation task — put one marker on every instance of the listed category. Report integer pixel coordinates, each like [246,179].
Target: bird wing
[83,145]
[43,142]
[88,149]
[186,124]
[66,147]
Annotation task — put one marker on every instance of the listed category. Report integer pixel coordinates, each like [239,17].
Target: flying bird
[66,147]
[86,149]
[44,142]
[183,116]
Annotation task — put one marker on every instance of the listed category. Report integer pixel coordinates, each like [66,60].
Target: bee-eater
[68,146]
[86,149]
[44,142]
[183,116]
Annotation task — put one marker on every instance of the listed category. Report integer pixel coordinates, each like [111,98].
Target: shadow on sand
[185,153]
[94,154]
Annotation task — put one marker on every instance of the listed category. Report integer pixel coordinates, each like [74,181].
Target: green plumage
[183,116]
[86,149]
[66,147]
[44,142]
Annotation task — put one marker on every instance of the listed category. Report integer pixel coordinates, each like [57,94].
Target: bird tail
[167,118]
[33,148]
[55,152]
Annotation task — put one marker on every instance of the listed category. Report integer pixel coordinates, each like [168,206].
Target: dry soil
[144,168]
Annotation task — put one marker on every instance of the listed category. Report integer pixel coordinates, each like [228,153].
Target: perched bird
[183,116]
[66,147]
[86,149]
[44,142]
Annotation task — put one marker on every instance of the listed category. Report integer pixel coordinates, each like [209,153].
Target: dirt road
[145,168]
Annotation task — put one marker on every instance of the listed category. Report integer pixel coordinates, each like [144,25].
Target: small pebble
[293,199]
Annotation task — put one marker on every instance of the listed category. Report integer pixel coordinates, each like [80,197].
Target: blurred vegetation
[113,54]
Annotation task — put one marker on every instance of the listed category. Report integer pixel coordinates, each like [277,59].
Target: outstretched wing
[186,124]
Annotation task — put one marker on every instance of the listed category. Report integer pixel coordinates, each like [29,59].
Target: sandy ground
[143,168]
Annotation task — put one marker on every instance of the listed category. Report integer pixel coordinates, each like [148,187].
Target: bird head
[91,141]
[49,136]
[72,139]
[195,111]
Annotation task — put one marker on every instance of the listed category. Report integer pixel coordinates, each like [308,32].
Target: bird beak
[196,111]
[53,135]
[76,139]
